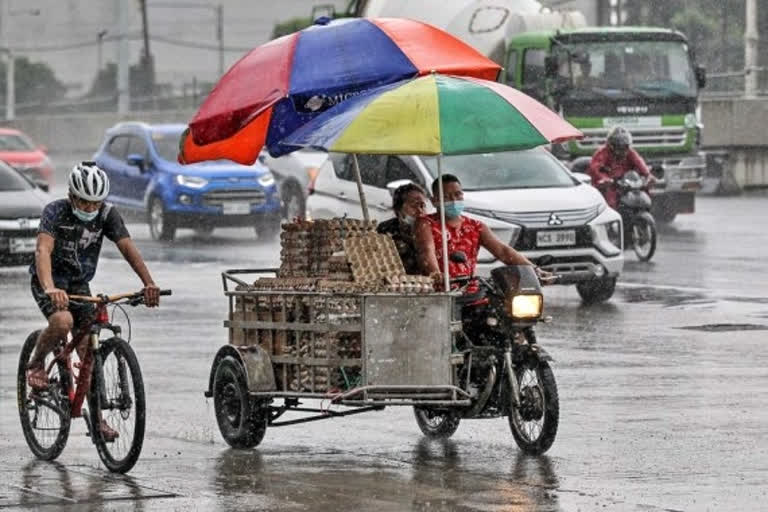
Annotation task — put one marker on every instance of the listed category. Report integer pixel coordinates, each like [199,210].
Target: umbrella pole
[443,232]
[359,179]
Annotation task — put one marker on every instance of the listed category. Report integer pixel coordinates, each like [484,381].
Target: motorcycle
[635,210]
[504,369]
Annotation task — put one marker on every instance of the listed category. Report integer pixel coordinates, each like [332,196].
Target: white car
[528,198]
[294,173]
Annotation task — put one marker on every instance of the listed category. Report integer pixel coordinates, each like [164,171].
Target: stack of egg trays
[373,257]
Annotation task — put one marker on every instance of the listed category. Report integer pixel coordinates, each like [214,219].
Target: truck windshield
[654,69]
[535,168]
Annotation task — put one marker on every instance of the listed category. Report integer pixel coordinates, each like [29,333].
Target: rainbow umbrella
[282,84]
[434,115]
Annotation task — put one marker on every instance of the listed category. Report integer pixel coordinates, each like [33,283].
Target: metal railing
[732,83]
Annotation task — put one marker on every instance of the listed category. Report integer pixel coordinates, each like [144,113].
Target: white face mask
[408,220]
[84,216]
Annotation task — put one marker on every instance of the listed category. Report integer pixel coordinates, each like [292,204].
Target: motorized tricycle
[447,355]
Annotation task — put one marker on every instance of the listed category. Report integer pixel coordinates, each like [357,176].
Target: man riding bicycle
[68,245]
[612,161]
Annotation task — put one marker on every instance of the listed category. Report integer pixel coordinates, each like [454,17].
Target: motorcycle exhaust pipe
[484,395]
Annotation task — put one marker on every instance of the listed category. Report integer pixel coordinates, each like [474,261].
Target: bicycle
[108,376]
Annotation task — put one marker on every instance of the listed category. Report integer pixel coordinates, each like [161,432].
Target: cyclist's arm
[133,257]
[638,163]
[45,244]
[500,250]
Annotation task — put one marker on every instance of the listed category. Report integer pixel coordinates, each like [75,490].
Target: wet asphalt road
[664,398]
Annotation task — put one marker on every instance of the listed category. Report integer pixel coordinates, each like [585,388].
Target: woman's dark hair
[401,192]
[447,178]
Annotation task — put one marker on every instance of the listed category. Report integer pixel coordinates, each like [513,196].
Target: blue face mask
[84,216]
[453,209]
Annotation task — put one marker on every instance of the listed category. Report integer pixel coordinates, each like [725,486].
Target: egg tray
[372,258]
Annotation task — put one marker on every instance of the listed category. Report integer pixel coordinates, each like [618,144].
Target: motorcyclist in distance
[614,159]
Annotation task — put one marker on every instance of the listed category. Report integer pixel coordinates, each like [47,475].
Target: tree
[35,82]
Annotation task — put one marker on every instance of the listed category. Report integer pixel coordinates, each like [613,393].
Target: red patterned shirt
[465,238]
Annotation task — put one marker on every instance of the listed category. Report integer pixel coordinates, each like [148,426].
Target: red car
[18,151]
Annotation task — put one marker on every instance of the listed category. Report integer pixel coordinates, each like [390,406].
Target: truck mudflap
[256,364]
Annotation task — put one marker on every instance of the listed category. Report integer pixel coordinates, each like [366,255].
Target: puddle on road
[50,483]
[725,327]
[668,297]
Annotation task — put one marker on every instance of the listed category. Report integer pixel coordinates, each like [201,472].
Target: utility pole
[751,40]
[10,71]
[220,37]
[99,40]
[123,85]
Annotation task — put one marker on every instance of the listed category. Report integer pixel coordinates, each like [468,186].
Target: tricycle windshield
[534,168]
[655,69]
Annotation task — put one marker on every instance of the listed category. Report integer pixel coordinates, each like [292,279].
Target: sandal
[108,433]
[37,378]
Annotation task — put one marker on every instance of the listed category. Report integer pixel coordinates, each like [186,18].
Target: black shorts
[81,313]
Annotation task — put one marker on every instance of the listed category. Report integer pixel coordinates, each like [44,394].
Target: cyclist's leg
[59,324]
[82,314]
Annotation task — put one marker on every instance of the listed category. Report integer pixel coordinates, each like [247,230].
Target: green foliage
[35,82]
[290,26]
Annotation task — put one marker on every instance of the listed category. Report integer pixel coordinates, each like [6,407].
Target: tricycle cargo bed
[354,346]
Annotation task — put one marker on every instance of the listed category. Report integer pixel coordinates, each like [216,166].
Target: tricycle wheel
[436,424]
[242,420]
[534,423]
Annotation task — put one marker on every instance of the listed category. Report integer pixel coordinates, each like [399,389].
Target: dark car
[145,177]
[21,204]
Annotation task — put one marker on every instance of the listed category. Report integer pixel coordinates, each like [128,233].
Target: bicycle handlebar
[106,299]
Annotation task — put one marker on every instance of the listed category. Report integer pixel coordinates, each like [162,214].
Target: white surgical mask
[84,216]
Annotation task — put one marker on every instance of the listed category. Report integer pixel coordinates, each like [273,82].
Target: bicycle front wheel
[45,415]
[117,405]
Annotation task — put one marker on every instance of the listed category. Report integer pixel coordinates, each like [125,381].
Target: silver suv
[528,198]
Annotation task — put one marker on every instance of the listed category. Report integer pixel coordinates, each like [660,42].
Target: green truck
[642,78]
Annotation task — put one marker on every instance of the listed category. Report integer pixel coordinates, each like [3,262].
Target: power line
[131,37]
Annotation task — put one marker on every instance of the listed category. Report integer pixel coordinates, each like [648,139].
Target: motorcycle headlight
[191,181]
[266,180]
[525,307]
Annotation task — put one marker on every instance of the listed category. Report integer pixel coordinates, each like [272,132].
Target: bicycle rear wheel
[45,415]
[117,398]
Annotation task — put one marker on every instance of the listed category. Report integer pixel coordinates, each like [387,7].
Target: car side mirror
[43,185]
[551,66]
[658,172]
[583,177]
[394,185]
[701,76]
[136,160]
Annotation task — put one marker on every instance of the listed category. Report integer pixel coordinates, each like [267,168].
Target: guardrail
[732,83]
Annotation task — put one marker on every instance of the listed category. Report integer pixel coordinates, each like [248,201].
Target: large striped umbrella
[280,85]
[434,115]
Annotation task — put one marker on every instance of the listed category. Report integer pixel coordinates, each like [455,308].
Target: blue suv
[146,178]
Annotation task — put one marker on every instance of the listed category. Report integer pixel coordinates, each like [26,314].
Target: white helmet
[87,181]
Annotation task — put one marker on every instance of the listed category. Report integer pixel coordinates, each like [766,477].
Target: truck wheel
[596,290]
[242,420]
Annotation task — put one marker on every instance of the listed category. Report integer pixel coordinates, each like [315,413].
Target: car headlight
[690,120]
[526,307]
[608,237]
[266,180]
[191,181]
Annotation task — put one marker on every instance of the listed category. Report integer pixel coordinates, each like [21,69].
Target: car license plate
[555,238]
[236,208]
[21,245]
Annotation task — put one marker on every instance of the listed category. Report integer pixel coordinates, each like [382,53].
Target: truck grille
[253,196]
[673,136]
[541,219]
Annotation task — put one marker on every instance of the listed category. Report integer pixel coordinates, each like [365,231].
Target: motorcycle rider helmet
[88,182]
[619,139]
